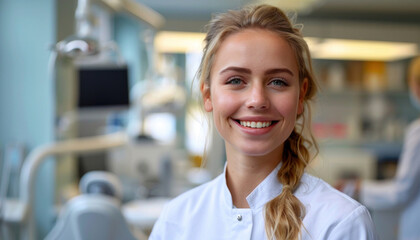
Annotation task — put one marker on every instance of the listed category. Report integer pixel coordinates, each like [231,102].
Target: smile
[252,124]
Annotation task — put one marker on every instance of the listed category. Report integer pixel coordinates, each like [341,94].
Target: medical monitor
[103,86]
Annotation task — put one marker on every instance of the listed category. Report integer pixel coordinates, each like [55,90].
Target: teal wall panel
[27,30]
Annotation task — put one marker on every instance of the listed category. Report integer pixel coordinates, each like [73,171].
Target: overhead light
[179,42]
[321,48]
[345,49]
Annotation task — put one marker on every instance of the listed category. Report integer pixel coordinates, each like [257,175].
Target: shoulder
[193,200]
[181,212]
[315,189]
[412,138]
[413,128]
[330,212]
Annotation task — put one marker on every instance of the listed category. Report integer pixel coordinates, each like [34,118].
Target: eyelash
[282,82]
[232,79]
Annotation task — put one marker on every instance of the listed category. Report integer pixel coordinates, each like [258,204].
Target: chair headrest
[101,182]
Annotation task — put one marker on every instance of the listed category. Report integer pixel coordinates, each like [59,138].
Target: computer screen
[103,87]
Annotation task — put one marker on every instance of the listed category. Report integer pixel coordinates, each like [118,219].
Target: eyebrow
[236,69]
[279,70]
[248,71]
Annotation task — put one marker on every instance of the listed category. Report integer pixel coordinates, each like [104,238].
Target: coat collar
[268,189]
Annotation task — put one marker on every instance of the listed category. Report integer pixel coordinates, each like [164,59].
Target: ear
[205,94]
[302,94]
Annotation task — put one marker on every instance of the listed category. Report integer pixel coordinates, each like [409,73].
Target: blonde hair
[414,70]
[284,213]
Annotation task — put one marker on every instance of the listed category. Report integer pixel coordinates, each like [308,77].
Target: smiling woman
[256,80]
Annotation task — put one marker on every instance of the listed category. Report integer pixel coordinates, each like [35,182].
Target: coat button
[239,217]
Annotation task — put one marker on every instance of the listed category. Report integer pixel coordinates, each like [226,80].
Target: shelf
[361,93]
[384,151]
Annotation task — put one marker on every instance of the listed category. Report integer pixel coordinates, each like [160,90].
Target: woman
[256,79]
[403,191]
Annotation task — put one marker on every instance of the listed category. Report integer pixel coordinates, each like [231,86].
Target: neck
[245,173]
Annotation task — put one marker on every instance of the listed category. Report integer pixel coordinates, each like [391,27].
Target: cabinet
[363,106]
[361,102]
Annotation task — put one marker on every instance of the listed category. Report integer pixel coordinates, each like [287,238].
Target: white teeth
[255,124]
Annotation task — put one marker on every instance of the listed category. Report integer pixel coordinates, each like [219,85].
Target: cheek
[224,105]
[288,105]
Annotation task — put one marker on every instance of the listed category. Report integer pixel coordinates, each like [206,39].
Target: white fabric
[404,190]
[207,212]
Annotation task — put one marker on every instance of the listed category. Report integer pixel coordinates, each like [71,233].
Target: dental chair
[96,213]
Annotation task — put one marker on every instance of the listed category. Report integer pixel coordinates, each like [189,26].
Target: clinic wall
[128,34]
[27,29]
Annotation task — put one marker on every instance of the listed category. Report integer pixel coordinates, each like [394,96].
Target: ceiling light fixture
[346,49]
[321,48]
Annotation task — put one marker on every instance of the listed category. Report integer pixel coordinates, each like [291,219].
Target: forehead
[256,49]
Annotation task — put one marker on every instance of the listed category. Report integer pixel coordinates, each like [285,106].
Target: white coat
[207,212]
[403,191]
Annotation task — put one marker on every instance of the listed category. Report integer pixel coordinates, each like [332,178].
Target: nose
[257,98]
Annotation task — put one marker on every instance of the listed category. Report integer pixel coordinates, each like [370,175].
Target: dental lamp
[81,44]
[75,46]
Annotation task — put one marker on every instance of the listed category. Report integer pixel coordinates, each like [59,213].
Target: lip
[255,131]
[255,119]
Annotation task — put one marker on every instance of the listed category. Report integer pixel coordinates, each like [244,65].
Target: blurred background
[81,69]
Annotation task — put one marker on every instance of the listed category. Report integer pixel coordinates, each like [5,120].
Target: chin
[257,152]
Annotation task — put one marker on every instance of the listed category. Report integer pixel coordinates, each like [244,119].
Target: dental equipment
[95,213]
[80,45]
[21,210]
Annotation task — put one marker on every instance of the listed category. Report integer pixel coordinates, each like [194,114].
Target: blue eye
[278,82]
[234,81]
